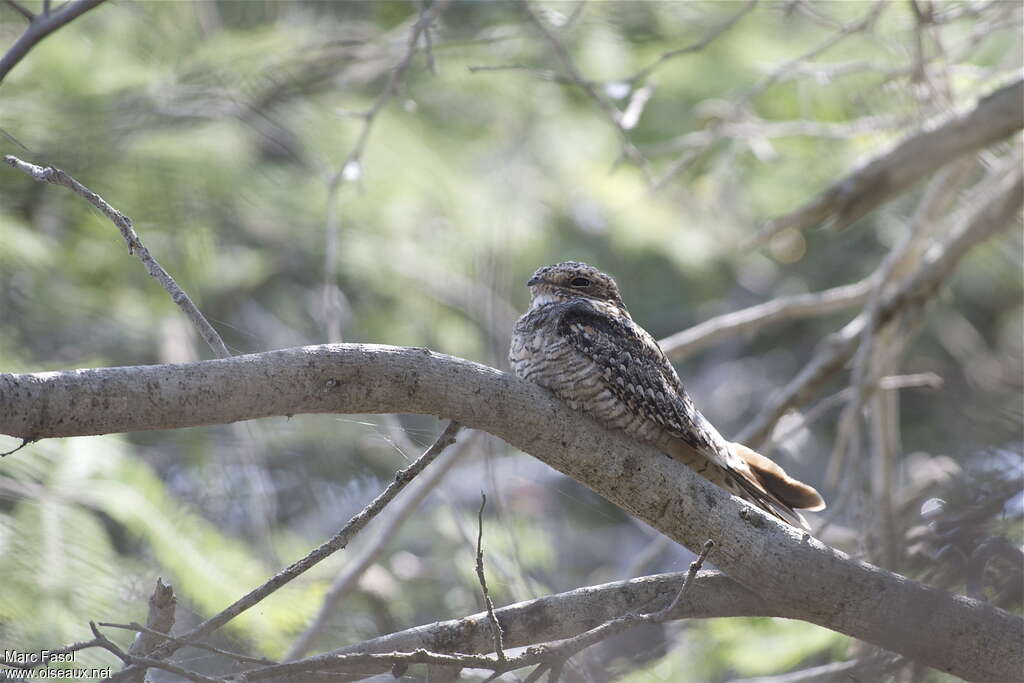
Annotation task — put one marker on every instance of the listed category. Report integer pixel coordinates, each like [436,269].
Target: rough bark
[965,637]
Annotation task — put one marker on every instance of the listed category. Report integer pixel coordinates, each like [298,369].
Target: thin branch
[351,169]
[355,568]
[161,636]
[159,619]
[711,37]
[691,574]
[613,115]
[551,654]
[915,289]
[940,192]
[40,27]
[688,342]
[861,669]
[336,543]
[100,640]
[995,117]
[55,176]
[742,103]
[40,661]
[499,649]
[841,34]
[22,10]
[923,380]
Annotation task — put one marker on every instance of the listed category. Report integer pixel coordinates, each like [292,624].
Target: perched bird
[579,341]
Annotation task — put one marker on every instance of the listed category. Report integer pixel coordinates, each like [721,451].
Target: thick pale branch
[564,615]
[822,585]
[994,118]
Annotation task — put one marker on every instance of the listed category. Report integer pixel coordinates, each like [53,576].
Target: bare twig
[994,118]
[841,34]
[691,574]
[629,150]
[351,169]
[861,669]
[161,636]
[551,655]
[40,661]
[336,543]
[941,191]
[499,649]
[917,288]
[742,103]
[55,176]
[355,568]
[131,662]
[40,27]
[711,37]
[159,619]
[688,342]
[22,10]
[923,380]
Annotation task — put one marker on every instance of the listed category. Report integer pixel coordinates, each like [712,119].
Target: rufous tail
[774,490]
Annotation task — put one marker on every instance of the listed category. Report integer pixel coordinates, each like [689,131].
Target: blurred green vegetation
[216,125]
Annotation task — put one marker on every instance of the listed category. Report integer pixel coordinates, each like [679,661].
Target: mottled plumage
[579,341]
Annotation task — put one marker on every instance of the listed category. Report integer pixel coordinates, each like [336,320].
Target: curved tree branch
[683,344]
[41,26]
[822,585]
[995,117]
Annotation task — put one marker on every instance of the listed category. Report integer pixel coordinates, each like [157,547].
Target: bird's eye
[580,282]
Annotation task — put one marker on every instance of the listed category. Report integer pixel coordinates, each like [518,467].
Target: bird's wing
[636,371]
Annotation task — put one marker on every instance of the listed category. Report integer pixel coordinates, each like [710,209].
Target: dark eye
[580,282]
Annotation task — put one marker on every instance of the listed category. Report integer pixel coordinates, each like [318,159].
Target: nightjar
[579,341]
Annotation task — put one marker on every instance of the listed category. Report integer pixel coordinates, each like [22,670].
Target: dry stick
[41,26]
[160,618]
[841,34]
[560,651]
[22,10]
[67,649]
[941,191]
[55,176]
[352,166]
[162,636]
[547,654]
[751,126]
[629,150]
[100,640]
[336,543]
[499,649]
[860,669]
[711,37]
[743,102]
[878,354]
[691,340]
[917,288]
[923,380]
[354,569]
[995,117]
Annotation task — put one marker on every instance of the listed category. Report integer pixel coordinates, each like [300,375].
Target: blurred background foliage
[216,127]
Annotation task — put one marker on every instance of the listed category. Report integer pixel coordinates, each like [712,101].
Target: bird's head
[573,280]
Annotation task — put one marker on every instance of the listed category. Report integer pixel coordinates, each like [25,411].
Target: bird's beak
[534,281]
